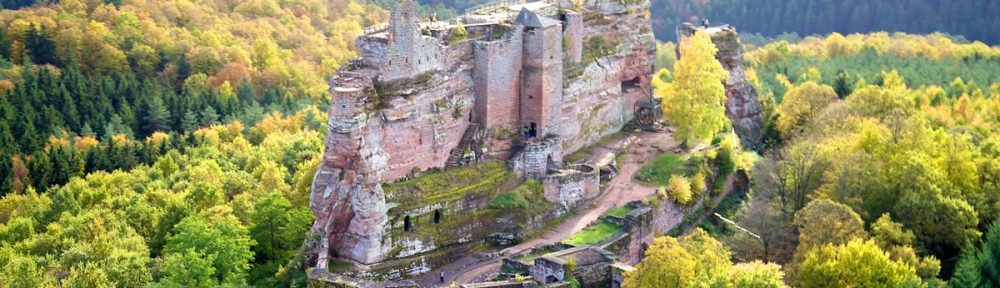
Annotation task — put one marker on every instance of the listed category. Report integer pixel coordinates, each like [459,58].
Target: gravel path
[644,148]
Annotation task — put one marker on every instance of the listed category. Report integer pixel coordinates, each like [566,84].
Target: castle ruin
[526,83]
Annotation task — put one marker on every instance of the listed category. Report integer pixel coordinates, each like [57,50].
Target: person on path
[442,277]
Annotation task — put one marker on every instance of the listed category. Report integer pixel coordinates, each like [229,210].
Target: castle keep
[515,83]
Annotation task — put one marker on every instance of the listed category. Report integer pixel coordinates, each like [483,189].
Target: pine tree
[209,117]
[190,121]
[157,117]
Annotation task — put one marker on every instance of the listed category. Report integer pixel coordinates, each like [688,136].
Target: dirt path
[621,190]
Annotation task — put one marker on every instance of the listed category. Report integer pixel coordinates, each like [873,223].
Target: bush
[725,159]
[698,183]
[679,189]
[458,34]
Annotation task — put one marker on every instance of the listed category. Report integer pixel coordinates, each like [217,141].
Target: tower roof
[529,19]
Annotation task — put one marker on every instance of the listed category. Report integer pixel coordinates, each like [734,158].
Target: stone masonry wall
[407,103]
[498,74]
[409,52]
[541,83]
[570,187]
[573,30]
[537,157]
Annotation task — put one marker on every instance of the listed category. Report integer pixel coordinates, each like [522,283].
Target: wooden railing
[493,6]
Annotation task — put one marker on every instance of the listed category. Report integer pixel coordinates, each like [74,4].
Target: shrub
[698,183]
[458,34]
[679,189]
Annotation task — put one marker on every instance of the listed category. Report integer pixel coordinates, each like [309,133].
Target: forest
[881,167]
[973,19]
[164,143]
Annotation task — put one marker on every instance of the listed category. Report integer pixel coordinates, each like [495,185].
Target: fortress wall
[497,75]
[594,103]
[573,32]
[421,129]
[541,84]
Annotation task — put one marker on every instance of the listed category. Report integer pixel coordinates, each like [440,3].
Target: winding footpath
[646,146]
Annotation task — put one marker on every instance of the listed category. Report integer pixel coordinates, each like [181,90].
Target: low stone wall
[595,275]
[537,156]
[502,284]
[637,233]
[572,185]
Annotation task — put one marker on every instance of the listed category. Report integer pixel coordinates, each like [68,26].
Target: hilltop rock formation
[525,84]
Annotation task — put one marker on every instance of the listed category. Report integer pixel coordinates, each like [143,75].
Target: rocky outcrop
[527,75]
[742,104]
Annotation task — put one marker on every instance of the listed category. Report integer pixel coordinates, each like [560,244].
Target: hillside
[163,143]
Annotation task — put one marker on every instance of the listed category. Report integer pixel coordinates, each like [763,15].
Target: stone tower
[541,76]
[409,53]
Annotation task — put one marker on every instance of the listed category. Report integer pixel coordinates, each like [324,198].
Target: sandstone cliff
[419,98]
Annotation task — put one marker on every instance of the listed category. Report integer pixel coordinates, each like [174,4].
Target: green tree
[220,237]
[800,104]
[187,268]
[980,267]
[695,102]
[278,228]
[857,263]
[757,275]
[824,222]
[696,260]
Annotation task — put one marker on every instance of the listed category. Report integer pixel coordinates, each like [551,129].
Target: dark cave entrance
[437,216]
[630,85]
[407,224]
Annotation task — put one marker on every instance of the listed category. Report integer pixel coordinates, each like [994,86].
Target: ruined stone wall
[546,272]
[573,35]
[572,186]
[594,104]
[498,77]
[640,231]
[596,275]
[390,119]
[537,156]
[409,52]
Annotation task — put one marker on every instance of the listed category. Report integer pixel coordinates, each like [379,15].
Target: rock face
[742,104]
[527,84]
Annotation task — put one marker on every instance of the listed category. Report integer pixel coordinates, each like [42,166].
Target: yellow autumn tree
[695,102]
[694,260]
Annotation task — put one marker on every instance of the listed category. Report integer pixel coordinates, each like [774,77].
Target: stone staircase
[455,159]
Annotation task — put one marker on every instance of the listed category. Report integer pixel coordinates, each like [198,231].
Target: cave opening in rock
[437,216]
[407,224]
[630,85]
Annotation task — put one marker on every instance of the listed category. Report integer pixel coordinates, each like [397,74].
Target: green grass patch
[593,234]
[666,165]
[619,212]
[448,185]
[519,198]
[336,266]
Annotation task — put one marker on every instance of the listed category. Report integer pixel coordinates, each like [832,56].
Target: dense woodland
[973,19]
[882,167]
[163,143]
